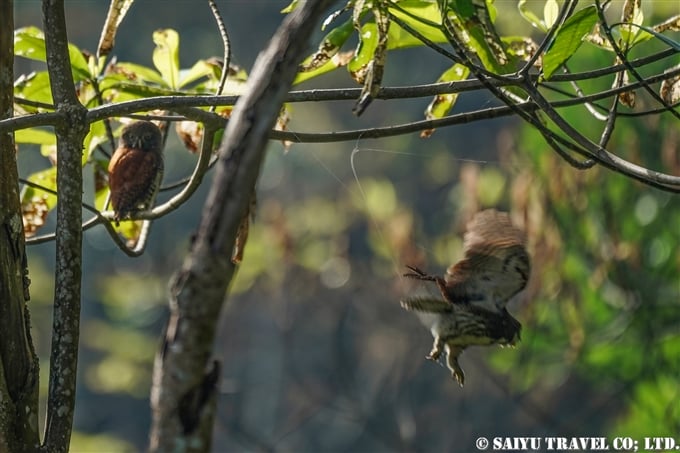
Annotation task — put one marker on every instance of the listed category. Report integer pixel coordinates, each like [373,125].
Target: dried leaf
[191,134]
[282,125]
[328,48]
[631,15]
[117,11]
[670,89]
[672,24]
[243,230]
[524,48]
[37,203]
[34,213]
[626,98]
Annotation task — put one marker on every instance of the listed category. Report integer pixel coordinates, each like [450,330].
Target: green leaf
[443,103]
[329,47]
[123,91]
[29,42]
[200,69]
[166,55]
[550,12]
[368,41]
[424,17]
[36,87]
[568,39]
[291,7]
[530,16]
[666,40]
[472,23]
[35,136]
[79,66]
[96,136]
[136,72]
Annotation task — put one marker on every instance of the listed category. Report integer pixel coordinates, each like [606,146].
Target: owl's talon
[418,274]
[434,356]
[459,376]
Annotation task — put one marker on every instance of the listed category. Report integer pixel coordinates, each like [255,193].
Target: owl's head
[142,135]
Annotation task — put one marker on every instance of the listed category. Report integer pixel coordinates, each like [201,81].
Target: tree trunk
[18,362]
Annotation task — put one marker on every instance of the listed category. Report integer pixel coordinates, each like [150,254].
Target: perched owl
[475,290]
[136,169]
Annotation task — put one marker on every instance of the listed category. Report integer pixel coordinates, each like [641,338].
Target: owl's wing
[427,305]
[495,265]
[132,176]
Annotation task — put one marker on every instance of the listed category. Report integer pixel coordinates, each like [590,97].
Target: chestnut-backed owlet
[136,169]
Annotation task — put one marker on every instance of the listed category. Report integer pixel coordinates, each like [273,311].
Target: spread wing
[495,265]
[427,305]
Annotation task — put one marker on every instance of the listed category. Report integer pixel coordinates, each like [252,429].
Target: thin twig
[226,43]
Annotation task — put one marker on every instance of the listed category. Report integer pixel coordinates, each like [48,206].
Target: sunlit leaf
[666,40]
[291,7]
[123,91]
[568,39]
[130,230]
[200,69]
[443,103]
[550,12]
[471,22]
[422,16]
[95,137]
[36,136]
[35,87]
[329,46]
[29,42]
[135,72]
[338,60]
[166,55]
[373,71]
[529,15]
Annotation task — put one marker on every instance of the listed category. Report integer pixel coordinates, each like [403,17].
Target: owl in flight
[475,290]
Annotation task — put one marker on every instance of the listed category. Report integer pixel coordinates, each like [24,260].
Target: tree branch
[71,129]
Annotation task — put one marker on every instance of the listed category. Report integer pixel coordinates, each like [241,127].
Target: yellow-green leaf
[166,55]
[35,136]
